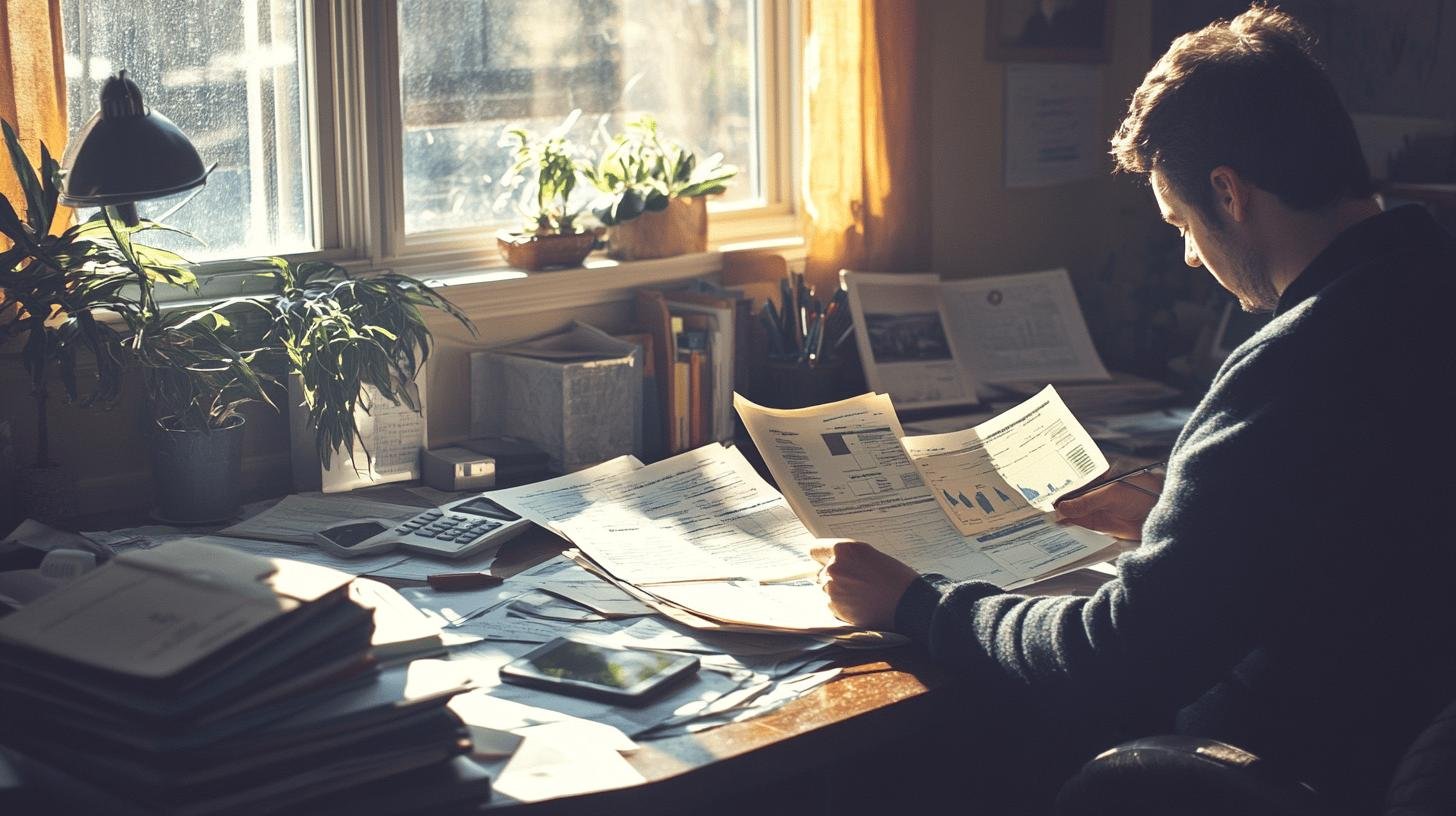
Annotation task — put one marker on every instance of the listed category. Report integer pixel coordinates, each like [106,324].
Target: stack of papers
[190,678]
[704,540]
[700,537]
[739,670]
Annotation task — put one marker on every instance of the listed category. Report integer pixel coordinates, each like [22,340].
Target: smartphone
[626,676]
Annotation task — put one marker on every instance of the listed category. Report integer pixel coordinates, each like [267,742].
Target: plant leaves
[36,213]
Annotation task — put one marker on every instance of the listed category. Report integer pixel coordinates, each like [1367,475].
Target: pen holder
[786,384]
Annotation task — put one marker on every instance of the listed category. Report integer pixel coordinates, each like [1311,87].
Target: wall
[980,226]
[1097,228]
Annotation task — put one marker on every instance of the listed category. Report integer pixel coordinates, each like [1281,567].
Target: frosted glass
[470,69]
[231,74]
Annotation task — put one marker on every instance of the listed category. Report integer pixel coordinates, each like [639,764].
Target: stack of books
[197,679]
[700,336]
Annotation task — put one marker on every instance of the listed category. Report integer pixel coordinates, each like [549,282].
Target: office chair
[1191,776]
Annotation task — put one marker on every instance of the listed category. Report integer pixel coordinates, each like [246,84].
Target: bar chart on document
[1008,468]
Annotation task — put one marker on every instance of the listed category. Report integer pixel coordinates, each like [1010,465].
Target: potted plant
[551,235]
[654,193]
[341,341]
[348,341]
[197,375]
[51,285]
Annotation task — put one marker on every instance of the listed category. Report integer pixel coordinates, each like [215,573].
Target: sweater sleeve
[1188,604]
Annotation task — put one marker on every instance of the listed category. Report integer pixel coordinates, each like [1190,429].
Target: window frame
[358,202]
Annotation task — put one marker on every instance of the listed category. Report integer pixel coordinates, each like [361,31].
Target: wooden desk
[854,745]
[830,751]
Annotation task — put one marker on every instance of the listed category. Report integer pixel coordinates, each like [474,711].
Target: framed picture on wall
[1048,30]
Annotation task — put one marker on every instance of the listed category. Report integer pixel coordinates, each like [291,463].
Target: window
[531,63]
[295,100]
[232,76]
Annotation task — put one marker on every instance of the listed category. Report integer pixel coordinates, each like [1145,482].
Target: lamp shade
[127,153]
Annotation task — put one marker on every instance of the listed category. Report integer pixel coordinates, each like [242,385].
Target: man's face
[1220,247]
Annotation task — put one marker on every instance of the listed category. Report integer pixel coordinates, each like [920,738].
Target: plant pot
[198,474]
[537,252]
[677,230]
[46,493]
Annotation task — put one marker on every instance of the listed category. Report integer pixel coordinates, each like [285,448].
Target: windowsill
[488,291]
[504,291]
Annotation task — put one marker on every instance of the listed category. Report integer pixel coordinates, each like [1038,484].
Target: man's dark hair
[1248,94]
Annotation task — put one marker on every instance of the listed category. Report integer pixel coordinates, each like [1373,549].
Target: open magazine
[972,504]
[932,343]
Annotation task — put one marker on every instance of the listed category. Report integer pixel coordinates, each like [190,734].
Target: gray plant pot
[198,474]
[46,494]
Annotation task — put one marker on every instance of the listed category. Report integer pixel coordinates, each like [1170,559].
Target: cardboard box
[576,394]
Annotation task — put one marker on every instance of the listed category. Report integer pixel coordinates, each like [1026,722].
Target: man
[1292,590]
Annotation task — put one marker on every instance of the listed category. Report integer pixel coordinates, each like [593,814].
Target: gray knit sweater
[1293,592]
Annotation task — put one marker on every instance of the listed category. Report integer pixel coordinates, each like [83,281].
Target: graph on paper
[1008,468]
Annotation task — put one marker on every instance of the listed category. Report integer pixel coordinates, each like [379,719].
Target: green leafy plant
[92,288]
[640,171]
[556,163]
[341,333]
[53,287]
[196,378]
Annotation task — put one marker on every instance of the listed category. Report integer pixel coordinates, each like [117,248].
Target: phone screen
[626,673]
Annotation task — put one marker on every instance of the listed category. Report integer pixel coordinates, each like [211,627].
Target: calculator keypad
[441,527]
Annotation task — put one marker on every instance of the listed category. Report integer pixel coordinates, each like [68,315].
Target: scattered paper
[698,516]
[489,743]
[295,519]
[547,768]
[308,554]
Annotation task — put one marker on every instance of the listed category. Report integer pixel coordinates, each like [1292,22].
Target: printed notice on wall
[1053,124]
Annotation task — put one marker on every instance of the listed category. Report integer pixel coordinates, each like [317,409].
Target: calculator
[455,530]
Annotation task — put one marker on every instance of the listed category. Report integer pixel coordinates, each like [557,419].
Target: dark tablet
[630,676]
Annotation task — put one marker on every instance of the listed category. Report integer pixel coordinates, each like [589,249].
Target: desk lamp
[127,153]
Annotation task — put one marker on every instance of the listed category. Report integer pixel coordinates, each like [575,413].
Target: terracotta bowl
[536,252]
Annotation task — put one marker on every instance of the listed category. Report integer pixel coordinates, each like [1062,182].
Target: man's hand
[1116,509]
[864,584]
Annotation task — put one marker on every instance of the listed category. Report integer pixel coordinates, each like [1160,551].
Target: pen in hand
[1118,478]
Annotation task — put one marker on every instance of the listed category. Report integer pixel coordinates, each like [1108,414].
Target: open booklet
[703,538]
[933,343]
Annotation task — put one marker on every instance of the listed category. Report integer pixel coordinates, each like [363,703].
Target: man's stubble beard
[1253,286]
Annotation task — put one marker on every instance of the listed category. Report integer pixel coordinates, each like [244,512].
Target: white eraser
[67,565]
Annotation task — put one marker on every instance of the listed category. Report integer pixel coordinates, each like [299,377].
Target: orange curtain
[866,138]
[32,85]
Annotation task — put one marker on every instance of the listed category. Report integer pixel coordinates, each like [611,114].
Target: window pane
[232,75]
[469,69]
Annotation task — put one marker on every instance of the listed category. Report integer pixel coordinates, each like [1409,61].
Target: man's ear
[1230,192]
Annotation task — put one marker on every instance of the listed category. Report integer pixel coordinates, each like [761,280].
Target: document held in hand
[702,533]
[974,504]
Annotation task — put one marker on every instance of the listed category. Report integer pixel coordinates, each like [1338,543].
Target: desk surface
[885,695]
[880,697]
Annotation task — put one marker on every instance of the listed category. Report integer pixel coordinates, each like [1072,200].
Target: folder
[172,615]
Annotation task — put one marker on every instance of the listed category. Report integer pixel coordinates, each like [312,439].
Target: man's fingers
[823,553]
[1073,507]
